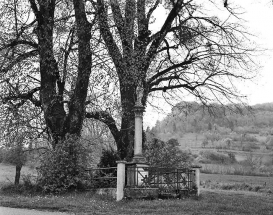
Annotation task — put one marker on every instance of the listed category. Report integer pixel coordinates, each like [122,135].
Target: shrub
[64,168]
[167,154]
[109,158]
[250,138]
[230,186]
[16,156]
[215,157]
[28,186]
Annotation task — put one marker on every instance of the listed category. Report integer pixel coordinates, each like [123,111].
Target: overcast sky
[258,16]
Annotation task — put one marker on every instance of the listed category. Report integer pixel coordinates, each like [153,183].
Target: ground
[210,201]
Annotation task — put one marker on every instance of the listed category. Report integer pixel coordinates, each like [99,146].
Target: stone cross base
[139,159]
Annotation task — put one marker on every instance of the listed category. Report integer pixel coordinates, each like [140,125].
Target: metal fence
[167,180]
[102,177]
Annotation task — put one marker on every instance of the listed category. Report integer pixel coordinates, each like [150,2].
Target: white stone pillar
[138,156]
[120,179]
[197,178]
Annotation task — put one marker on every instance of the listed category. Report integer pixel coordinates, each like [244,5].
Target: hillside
[245,133]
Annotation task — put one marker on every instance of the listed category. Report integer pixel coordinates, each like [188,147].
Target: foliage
[3,152]
[215,157]
[230,186]
[28,186]
[109,157]
[64,168]
[166,154]
[49,48]
[210,202]
[16,156]
[205,142]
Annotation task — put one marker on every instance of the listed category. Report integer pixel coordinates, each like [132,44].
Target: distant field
[252,180]
[7,172]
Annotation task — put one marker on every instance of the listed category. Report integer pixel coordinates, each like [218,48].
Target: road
[19,211]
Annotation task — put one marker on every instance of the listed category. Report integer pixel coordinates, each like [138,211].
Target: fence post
[120,179]
[197,178]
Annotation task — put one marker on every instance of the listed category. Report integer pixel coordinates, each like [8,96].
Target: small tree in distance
[17,156]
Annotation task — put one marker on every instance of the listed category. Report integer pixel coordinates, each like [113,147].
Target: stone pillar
[197,178]
[120,179]
[138,156]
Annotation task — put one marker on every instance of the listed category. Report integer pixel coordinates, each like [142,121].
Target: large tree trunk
[58,122]
[51,89]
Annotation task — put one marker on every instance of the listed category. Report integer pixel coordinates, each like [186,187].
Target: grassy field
[210,201]
[7,173]
[265,183]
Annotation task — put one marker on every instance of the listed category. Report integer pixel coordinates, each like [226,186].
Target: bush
[167,154]
[64,168]
[109,158]
[250,138]
[16,156]
[215,157]
[230,186]
[28,186]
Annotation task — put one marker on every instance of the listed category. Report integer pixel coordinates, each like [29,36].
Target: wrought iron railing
[102,177]
[167,180]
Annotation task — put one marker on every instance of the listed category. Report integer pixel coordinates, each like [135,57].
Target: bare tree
[43,38]
[194,52]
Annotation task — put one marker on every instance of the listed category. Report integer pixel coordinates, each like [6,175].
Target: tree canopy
[71,60]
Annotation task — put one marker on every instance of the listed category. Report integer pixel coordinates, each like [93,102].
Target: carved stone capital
[139,109]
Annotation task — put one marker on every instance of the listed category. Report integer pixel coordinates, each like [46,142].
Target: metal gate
[169,181]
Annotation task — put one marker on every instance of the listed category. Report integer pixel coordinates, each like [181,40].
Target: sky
[258,17]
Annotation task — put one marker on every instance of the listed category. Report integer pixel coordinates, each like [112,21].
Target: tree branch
[175,66]
[19,59]
[106,118]
[34,8]
[107,35]
[164,30]
[16,42]
[24,96]
[118,18]
[149,14]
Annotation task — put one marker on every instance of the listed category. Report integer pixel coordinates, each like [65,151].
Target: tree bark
[60,123]
[17,174]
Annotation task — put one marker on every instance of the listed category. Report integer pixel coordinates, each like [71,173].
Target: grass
[253,180]
[234,169]
[7,172]
[237,182]
[210,202]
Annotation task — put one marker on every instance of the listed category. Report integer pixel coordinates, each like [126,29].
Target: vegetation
[211,202]
[63,169]
[64,61]
[17,157]
[166,154]
[215,157]
[215,122]
[236,181]
[225,140]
